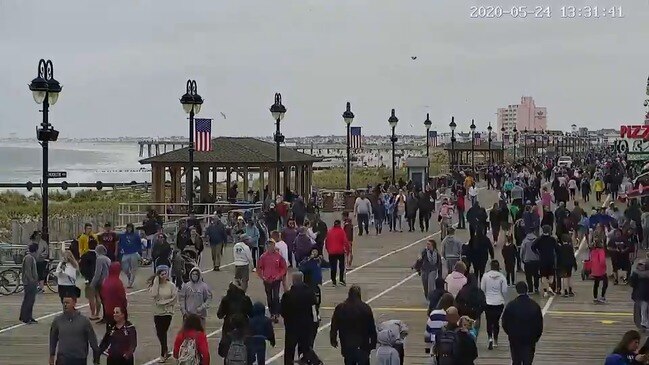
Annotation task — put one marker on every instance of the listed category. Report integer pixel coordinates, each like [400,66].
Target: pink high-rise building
[525,115]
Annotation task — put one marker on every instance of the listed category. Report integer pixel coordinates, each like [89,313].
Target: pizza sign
[635,132]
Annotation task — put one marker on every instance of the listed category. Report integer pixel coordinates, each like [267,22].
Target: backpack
[447,344]
[237,353]
[188,353]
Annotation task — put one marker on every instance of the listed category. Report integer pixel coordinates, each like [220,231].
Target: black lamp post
[192,103]
[277,110]
[491,157]
[525,145]
[574,139]
[452,125]
[515,138]
[45,90]
[536,150]
[348,117]
[393,120]
[472,145]
[427,124]
[502,138]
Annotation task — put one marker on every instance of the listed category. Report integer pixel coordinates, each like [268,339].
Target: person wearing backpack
[190,346]
[454,345]
[522,321]
[260,331]
[234,306]
[237,351]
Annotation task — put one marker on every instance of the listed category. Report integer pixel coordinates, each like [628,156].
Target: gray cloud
[123,64]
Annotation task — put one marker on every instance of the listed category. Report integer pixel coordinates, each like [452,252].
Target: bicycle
[11,280]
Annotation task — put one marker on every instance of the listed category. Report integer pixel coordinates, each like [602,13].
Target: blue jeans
[257,349]
[130,263]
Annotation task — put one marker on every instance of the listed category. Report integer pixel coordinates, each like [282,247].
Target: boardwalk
[575,329]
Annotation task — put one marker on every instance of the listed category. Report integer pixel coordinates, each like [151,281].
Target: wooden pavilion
[241,155]
[461,152]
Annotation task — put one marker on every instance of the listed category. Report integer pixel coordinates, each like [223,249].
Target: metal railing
[174,212]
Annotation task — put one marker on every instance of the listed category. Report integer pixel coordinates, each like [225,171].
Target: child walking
[261,330]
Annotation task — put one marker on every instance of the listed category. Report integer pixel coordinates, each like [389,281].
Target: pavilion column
[298,180]
[214,177]
[286,181]
[176,183]
[262,183]
[271,181]
[245,182]
[204,182]
[228,171]
[158,183]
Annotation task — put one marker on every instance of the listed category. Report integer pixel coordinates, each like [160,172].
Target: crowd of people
[285,246]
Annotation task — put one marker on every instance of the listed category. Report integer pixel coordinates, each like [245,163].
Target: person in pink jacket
[457,279]
[598,271]
[271,268]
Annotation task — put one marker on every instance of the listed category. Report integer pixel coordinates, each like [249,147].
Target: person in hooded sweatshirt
[546,247]
[639,281]
[531,263]
[451,249]
[234,304]
[195,296]
[113,294]
[436,294]
[481,250]
[302,245]
[566,264]
[386,354]
[494,285]
[260,330]
[193,329]
[102,266]
[456,279]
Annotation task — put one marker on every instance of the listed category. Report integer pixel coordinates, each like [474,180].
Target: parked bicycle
[10,279]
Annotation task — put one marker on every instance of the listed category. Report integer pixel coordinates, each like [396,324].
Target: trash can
[350,199]
[328,202]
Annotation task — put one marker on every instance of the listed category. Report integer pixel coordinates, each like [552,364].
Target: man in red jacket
[337,246]
[271,268]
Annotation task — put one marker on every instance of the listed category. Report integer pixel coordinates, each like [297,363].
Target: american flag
[356,138]
[476,137]
[432,138]
[203,135]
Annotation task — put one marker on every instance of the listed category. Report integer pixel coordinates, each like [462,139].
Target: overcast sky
[123,64]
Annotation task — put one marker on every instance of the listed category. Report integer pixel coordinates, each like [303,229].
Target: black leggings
[596,285]
[340,259]
[493,312]
[479,269]
[162,324]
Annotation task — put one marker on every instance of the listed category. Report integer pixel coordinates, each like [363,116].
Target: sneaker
[216,268]
[602,300]
[596,301]
[571,293]
[545,294]
[565,294]
[490,346]
[333,283]
[343,283]
[495,343]
[254,269]
[32,321]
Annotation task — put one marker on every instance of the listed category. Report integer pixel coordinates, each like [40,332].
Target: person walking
[70,335]
[546,247]
[242,261]
[599,271]
[451,249]
[481,250]
[66,276]
[84,239]
[165,297]
[494,285]
[470,301]
[412,205]
[190,344]
[639,281]
[195,296]
[437,319]
[252,232]
[217,237]
[113,294]
[87,265]
[362,211]
[530,262]
[337,246]
[379,216]
[522,321]
[130,247]
[234,308]
[297,308]
[456,279]
[102,267]
[29,276]
[626,351]
[110,240]
[303,244]
[42,257]
[429,266]
[566,264]
[272,268]
[400,210]
[120,340]
[260,330]
[353,323]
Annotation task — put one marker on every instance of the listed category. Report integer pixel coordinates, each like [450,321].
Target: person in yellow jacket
[84,238]
[599,188]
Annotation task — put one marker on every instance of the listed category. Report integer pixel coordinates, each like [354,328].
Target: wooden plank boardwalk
[573,329]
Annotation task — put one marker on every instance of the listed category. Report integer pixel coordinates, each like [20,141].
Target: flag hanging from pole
[356,138]
[432,138]
[476,137]
[203,135]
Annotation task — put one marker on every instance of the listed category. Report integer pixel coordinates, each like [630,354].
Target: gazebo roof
[483,146]
[235,151]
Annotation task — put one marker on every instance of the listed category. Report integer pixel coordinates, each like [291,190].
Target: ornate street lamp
[427,124]
[393,120]
[45,90]
[502,138]
[472,126]
[536,150]
[525,134]
[491,157]
[191,103]
[452,125]
[277,110]
[515,138]
[348,117]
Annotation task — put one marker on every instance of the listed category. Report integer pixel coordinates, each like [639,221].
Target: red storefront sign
[634,131]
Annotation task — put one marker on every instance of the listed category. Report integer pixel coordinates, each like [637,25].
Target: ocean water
[83,161]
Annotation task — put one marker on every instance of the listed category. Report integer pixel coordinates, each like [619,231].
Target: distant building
[525,115]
